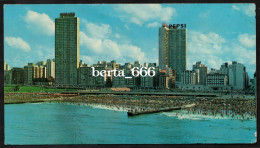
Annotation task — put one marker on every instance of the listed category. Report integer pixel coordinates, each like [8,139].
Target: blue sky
[216,33]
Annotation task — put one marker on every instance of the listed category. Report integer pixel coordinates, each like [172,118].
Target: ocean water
[56,123]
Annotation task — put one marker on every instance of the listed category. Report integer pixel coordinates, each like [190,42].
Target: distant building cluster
[161,80]
[66,70]
[41,73]
[228,77]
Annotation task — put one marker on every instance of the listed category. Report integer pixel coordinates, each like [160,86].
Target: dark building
[17,75]
[66,49]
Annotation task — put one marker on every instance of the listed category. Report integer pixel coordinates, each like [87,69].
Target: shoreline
[230,107]
[178,114]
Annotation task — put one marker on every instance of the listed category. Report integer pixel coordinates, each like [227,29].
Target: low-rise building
[8,77]
[17,75]
[193,87]
[167,78]
[50,68]
[86,80]
[118,82]
[217,81]
[188,77]
[147,82]
[6,67]
[203,71]
[237,76]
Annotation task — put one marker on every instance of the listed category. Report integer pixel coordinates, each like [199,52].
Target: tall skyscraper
[163,46]
[66,49]
[173,48]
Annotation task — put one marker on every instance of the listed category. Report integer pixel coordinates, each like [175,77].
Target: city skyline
[105,37]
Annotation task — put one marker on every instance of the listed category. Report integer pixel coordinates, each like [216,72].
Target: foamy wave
[185,115]
[182,116]
[114,108]
[39,103]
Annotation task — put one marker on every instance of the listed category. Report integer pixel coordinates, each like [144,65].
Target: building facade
[32,72]
[7,74]
[6,66]
[8,77]
[166,79]
[188,77]
[50,68]
[217,79]
[66,49]
[163,46]
[29,73]
[237,76]
[86,80]
[17,75]
[173,49]
[203,72]
[224,69]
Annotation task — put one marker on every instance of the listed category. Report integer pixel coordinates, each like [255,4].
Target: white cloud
[133,52]
[17,42]
[204,14]
[155,50]
[87,59]
[98,46]
[97,40]
[126,27]
[247,40]
[210,43]
[206,48]
[243,55]
[234,7]
[91,43]
[111,48]
[40,23]
[40,54]
[248,9]
[141,13]
[213,50]
[117,36]
[213,61]
[44,52]
[100,31]
[153,24]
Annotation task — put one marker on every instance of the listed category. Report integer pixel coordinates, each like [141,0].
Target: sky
[216,33]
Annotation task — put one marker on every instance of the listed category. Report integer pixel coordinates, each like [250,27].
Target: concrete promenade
[198,94]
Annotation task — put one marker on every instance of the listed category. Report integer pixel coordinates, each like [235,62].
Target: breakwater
[149,111]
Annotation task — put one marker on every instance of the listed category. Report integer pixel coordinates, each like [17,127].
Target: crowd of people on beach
[213,106]
[228,107]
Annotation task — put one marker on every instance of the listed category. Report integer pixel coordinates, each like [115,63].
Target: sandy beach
[239,108]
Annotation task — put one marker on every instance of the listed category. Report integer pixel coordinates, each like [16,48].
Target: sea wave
[39,103]
[106,107]
[185,115]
